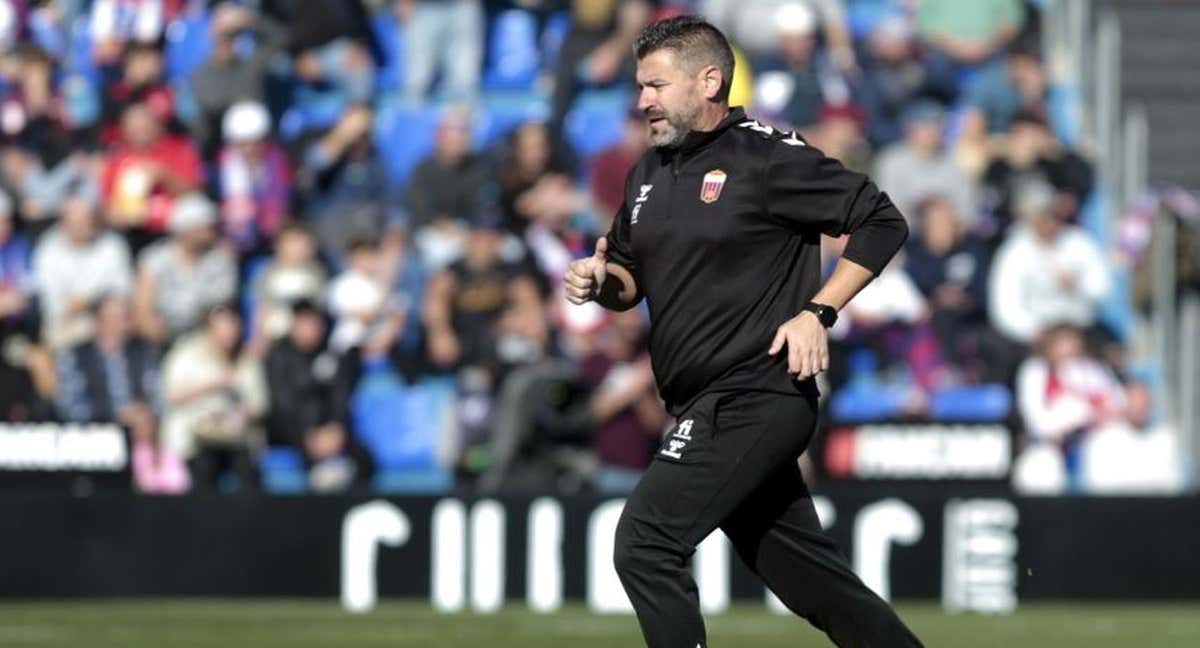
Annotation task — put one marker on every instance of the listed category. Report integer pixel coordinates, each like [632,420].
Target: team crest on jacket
[710,189]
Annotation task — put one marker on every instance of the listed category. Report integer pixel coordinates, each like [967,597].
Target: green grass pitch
[225,623]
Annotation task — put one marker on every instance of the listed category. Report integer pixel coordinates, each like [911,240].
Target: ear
[710,81]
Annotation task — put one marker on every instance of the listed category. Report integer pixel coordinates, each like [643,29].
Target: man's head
[295,246]
[362,254]
[78,220]
[941,228]
[308,326]
[685,66]
[1060,343]
[453,141]
[113,320]
[139,126]
[1034,206]
[194,221]
[923,127]
[143,64]
[246,125]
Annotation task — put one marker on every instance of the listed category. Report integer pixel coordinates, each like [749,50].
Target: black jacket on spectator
[308,389]
[313,23]
[86,391]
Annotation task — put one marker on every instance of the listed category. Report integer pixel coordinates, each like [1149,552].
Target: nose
[645,99]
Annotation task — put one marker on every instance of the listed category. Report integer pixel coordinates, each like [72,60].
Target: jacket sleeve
[806,191]
[620,241]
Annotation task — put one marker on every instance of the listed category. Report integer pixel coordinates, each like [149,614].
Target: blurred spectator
[892,318]
[292,275]
[597,50]
[1003,93]
[114,379]
[17,321]
[14,18]
[1032,154]
[533,154]
[751,25]
[181,277]
[465,302]
[625,408]
[366,318]
[142,81]
[145,171]
[811,79]
[256,178]
[611,166]
[310,399]
[331,43]
[448,185]
[345,185]
[1046,271]
[445,34]
[214,395]
[1062,392]
[76,263]
[839,135]
[17,281]
[402,263]
[116,23]
[919,166]
[962,35]
[949,267]
[236,70]
[892,79]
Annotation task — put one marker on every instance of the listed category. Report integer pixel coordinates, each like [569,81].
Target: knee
[639,549]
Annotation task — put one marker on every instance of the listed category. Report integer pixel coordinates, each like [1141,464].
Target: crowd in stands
[322,240]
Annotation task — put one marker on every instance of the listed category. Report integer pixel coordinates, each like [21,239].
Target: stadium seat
[188,44]
[976,403]
[513,59]
[312,111]
[79,52]
[404,134]
[401,424]
[389,35]
[501,112]
[283,471]
[597,120]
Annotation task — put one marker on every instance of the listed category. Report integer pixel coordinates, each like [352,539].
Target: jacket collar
[696,140]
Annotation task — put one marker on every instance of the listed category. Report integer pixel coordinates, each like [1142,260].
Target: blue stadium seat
[79,52]
[283,470]
[597,120]
[404,135]
[390,36]
[501,112]
[188,44]
[400,424]
[312,110]
[977,403]
[513,59]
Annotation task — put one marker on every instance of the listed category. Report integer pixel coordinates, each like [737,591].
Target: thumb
[777,343]
[601,247]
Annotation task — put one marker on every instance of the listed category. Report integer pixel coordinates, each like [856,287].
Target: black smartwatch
[827,315]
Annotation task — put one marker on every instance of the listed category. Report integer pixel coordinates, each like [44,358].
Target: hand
[585,276]
[807,343]
[444,349]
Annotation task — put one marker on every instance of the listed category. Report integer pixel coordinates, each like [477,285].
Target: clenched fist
[585,276]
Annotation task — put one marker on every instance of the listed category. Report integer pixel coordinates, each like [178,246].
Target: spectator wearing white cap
[255,177]
[754,25]
[1046,272]
[183,276]
[803,74]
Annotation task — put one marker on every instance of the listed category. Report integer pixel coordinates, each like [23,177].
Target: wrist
[827,315]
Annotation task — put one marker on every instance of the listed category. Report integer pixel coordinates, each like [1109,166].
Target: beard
[675,125]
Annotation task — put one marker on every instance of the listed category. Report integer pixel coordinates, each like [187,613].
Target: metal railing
[1087,56]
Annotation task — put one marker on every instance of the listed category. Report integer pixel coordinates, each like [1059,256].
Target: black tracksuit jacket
[722,236]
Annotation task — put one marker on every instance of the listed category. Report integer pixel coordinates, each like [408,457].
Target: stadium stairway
[1158,70]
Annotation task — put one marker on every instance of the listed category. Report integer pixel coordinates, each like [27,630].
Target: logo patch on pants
[674,445]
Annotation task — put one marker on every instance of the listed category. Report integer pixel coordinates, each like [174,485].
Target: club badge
[710,189]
